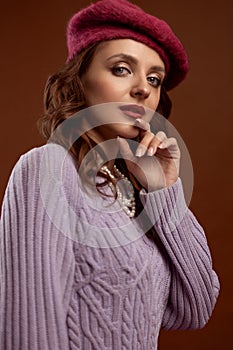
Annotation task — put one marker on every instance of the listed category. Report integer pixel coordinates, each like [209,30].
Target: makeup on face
[133,111]
[127,72]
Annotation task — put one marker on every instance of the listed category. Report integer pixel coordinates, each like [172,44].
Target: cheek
[104,90]
[98,93]
[154,100]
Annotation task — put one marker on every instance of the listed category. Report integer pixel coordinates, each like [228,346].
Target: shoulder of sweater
[37,152]
[50,159]
[50,151]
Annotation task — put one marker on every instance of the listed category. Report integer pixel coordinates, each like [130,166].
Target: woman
[84,271]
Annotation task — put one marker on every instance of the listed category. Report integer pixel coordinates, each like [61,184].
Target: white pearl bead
[127,204]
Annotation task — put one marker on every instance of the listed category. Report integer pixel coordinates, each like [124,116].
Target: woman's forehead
[128,47]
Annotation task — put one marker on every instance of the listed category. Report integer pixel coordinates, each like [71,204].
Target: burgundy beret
[118,19]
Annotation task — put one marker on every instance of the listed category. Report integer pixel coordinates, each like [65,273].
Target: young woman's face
[128,72]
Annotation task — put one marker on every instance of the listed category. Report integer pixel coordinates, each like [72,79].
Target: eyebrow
[134,61]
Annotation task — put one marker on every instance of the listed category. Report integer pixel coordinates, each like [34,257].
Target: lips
[133,111]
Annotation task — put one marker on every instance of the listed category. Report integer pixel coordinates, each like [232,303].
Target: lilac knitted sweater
[76,277]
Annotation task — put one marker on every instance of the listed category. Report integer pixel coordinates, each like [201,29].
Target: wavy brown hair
[64,96]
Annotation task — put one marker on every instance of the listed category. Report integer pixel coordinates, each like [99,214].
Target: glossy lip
[133,111]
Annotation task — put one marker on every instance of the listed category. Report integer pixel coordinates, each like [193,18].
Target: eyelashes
[122,71]
[154,81]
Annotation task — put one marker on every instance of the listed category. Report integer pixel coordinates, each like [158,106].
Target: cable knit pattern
[58,293]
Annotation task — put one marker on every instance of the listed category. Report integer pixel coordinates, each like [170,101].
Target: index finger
[143,124]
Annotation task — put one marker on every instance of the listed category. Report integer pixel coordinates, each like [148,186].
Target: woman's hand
[156,161]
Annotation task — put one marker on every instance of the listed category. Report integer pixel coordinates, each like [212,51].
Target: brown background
[33,46]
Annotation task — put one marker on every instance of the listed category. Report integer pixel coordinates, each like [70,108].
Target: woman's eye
[154,81]
[120,70]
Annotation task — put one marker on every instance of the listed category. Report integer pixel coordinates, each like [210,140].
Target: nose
[140,89]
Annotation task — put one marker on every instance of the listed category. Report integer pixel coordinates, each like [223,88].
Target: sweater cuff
[166,207]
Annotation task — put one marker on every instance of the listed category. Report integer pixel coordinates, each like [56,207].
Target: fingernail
[161,145]
[139,152]
[138,120]
[150,151]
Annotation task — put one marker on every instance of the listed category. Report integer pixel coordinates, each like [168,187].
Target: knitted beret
[120,19]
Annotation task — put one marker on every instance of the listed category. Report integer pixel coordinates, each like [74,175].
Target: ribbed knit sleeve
[36,266]
[194,284]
